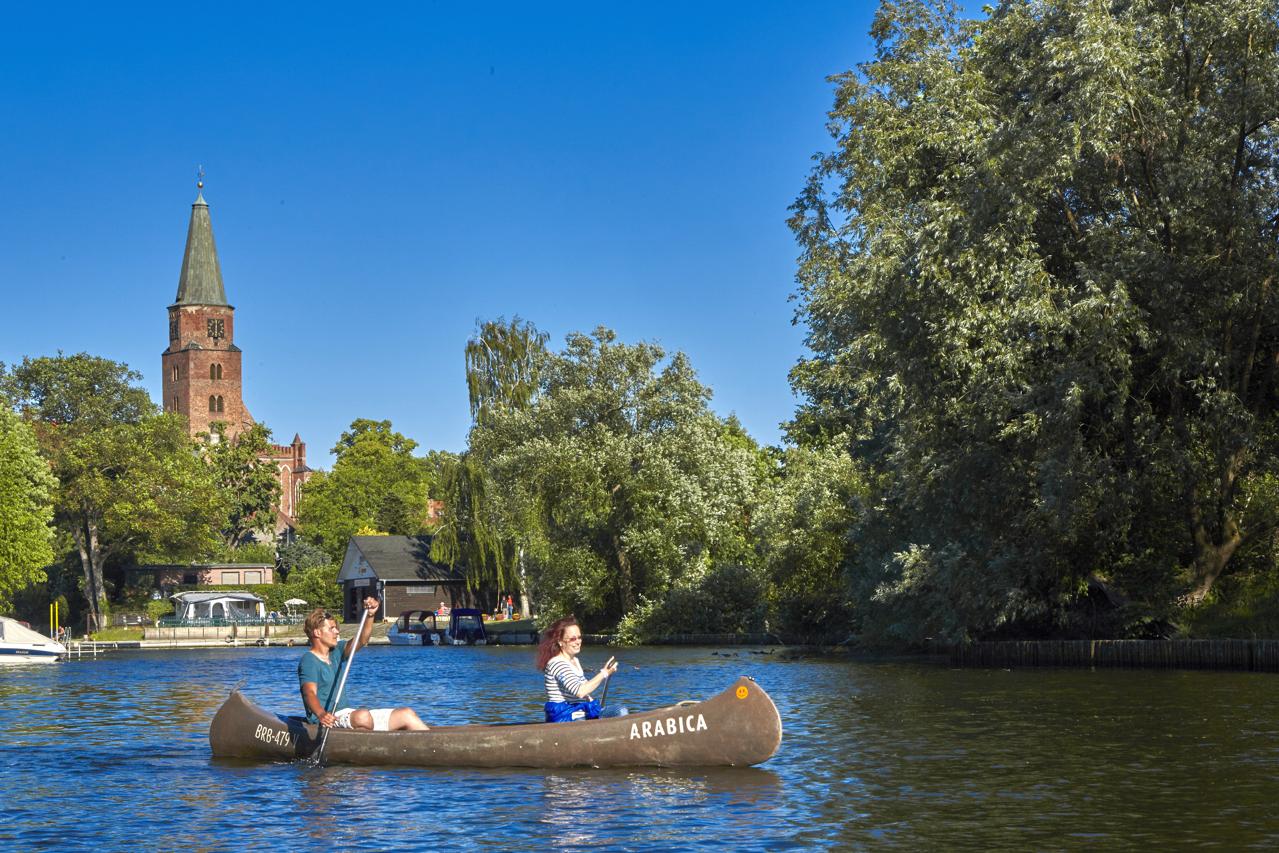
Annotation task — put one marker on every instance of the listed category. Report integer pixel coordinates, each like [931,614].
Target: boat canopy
[219,605]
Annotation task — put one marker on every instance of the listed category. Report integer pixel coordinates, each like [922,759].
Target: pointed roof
[200,282]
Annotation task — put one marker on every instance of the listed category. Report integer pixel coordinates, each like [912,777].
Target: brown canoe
[738,727]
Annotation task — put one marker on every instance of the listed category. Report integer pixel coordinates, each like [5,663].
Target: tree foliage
[502,363]
[26,508]
[249,485]
[616,476]
[132,483]
[802,529]
[1037,275]
[316,585]
[300,554]
[376,483]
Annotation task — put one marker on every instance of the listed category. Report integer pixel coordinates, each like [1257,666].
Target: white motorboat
[19,644]
[414,628]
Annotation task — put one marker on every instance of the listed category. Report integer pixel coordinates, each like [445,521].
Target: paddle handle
[346,670]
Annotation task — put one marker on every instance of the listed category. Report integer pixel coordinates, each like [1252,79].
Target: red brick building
[202,366]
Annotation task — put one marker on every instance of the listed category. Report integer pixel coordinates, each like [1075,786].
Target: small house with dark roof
[398,570]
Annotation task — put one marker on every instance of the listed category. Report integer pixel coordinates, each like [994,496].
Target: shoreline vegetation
[1039,399]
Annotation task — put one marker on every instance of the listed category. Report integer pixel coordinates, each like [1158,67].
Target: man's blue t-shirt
[325,676]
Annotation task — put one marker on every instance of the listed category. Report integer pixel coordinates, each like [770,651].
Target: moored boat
[415,628]
[19,644]
[738,727]
[466,628]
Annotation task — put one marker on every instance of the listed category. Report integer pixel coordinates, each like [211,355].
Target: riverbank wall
[1241,655]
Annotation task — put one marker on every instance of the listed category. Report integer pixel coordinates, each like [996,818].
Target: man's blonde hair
[315,621]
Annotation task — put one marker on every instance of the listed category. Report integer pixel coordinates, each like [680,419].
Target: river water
[113,754]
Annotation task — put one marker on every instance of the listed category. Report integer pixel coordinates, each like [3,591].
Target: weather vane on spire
[199,177]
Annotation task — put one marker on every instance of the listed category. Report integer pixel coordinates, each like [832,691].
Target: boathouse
[398,570]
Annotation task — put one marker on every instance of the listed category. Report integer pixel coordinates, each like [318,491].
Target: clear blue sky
[380,177]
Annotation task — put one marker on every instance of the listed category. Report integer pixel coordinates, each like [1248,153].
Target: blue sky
[382,176]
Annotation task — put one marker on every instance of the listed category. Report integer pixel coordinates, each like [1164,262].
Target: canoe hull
[739,727]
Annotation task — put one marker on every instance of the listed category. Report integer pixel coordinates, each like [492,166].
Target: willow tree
[501,374]
[1038,278]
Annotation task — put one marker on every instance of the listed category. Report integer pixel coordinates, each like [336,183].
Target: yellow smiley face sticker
[742,692]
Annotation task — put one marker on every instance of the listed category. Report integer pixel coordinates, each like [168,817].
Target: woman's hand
[609,668]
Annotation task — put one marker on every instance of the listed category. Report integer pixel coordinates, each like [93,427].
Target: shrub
[727,599]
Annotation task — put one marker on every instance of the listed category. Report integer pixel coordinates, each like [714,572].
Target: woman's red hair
[550,645]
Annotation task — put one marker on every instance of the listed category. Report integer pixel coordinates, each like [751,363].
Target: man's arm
[311,699]
[371,605]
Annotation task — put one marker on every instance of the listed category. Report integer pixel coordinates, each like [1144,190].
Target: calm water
[113,754]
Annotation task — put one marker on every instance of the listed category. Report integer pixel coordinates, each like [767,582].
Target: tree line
[1036,275]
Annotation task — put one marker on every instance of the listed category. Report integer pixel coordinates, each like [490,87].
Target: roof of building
[403,558]
[200,282]
[236,595]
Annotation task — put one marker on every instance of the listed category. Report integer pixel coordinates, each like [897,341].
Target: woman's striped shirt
[562,681]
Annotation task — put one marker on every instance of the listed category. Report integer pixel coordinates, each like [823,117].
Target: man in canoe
[320,669]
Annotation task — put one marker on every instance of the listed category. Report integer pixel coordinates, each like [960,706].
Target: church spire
[200,282]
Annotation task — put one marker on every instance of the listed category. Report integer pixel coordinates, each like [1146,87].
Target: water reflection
[659,807]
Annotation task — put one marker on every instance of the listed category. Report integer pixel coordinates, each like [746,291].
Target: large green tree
[26,508]
[249,484]
[617,476]
[132,484]
[802,526]
[1038,276]
[376,483]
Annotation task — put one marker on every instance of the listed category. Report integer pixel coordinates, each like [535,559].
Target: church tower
[202,377]
[202,363]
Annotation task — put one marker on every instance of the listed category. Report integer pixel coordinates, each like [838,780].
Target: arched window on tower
[215,371]
[213,404]
[219,402]
[175,373]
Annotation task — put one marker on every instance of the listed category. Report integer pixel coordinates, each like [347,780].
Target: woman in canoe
[568,690]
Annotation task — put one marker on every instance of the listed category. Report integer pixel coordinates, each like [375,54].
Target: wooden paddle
[318,756]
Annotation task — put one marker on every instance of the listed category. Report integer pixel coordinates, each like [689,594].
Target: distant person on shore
[320,669]
[510,607]
[443,611]
[568,690]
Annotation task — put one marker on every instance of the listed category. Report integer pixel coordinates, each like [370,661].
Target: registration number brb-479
[275,737]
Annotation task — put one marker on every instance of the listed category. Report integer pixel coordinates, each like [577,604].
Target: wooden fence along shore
[1246,655]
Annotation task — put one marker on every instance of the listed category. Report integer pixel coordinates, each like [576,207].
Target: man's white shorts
[381,718]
